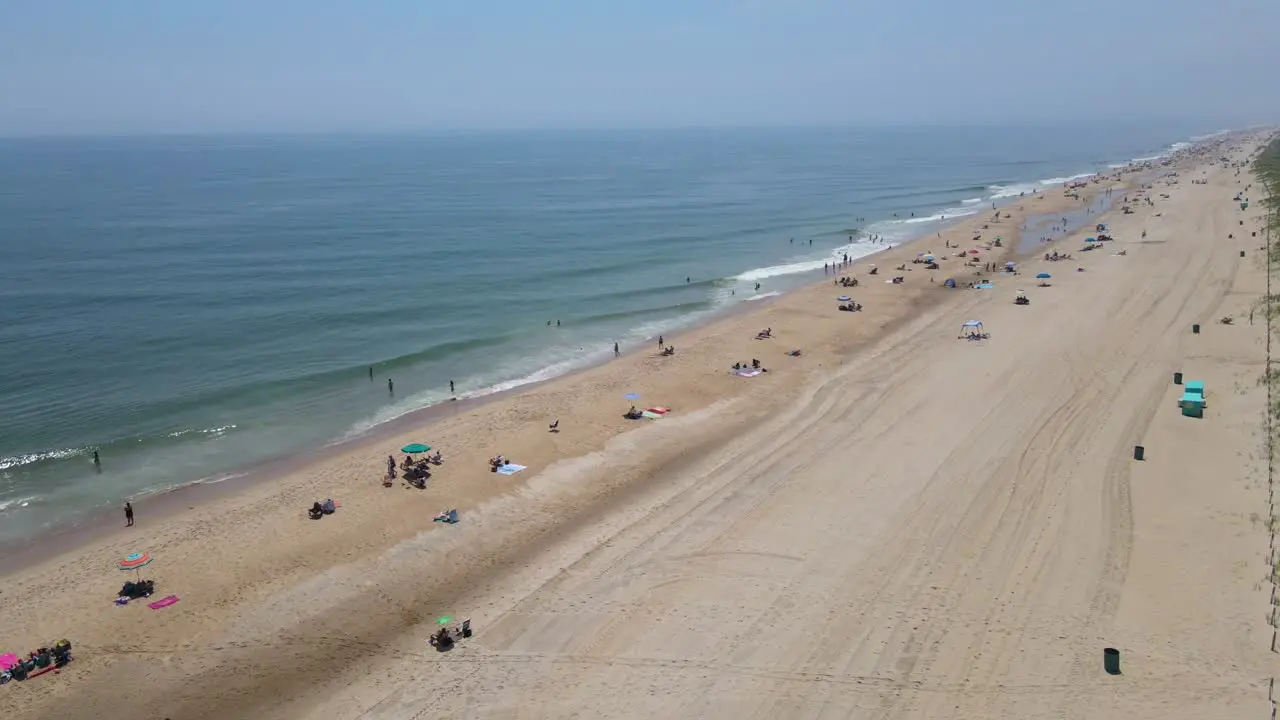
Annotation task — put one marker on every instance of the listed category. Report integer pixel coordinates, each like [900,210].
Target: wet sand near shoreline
[895,521]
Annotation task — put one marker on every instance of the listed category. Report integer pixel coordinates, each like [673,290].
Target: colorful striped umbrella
[135,561]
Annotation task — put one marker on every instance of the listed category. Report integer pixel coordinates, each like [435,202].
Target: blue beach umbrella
[631,396]
[1043,276]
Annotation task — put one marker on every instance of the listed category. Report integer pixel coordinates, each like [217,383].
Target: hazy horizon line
[455,131]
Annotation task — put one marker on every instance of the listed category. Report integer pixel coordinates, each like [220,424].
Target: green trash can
[1177,378]
[1111,661]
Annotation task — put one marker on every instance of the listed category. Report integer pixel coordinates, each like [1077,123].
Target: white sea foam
[764,273]
[28,458]
[202,431]
[999,192]
[1068,179]
[221,478]
[16,503]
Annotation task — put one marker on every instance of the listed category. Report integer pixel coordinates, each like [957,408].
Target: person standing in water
[370,373]
[97,462]
[391,387]
[128,514]
[450,387]
[616,351]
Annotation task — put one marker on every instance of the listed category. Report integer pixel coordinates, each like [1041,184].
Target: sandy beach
[896,523]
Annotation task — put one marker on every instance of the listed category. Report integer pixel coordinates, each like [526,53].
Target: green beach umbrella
[444,620]
[415,448]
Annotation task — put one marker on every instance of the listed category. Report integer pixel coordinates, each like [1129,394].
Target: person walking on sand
[616,351]
[391,387]
[128,514]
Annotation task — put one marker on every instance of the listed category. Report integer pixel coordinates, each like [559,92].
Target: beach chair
[1192,405]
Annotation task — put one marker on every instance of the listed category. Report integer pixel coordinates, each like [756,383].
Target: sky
[231,66]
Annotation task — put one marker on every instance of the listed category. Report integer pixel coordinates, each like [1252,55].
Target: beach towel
[650,415]
[164,603]
[450,517]
[658,410]
[8,660]
[747,372]
[510,469]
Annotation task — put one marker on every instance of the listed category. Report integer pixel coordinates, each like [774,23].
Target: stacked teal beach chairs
[1192,402]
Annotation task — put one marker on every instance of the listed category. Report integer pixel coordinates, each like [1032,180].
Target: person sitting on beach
[737,366]
[755,363]
[442,639]
[316,511]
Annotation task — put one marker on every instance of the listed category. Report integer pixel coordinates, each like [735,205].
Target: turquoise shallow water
[188,306]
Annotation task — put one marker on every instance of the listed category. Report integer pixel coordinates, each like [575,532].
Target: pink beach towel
[166,602]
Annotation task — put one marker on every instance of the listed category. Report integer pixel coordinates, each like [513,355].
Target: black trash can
[1195,329]
[1241,253]
[1111,661]
[1177,378]
[1139,452]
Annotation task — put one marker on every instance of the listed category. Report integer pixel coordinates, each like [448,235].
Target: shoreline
[160,505]
[64,494]
[172,502]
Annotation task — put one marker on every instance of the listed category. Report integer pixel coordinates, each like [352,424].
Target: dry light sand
[899,523]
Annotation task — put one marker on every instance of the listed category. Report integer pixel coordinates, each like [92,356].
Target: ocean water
[189,306]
